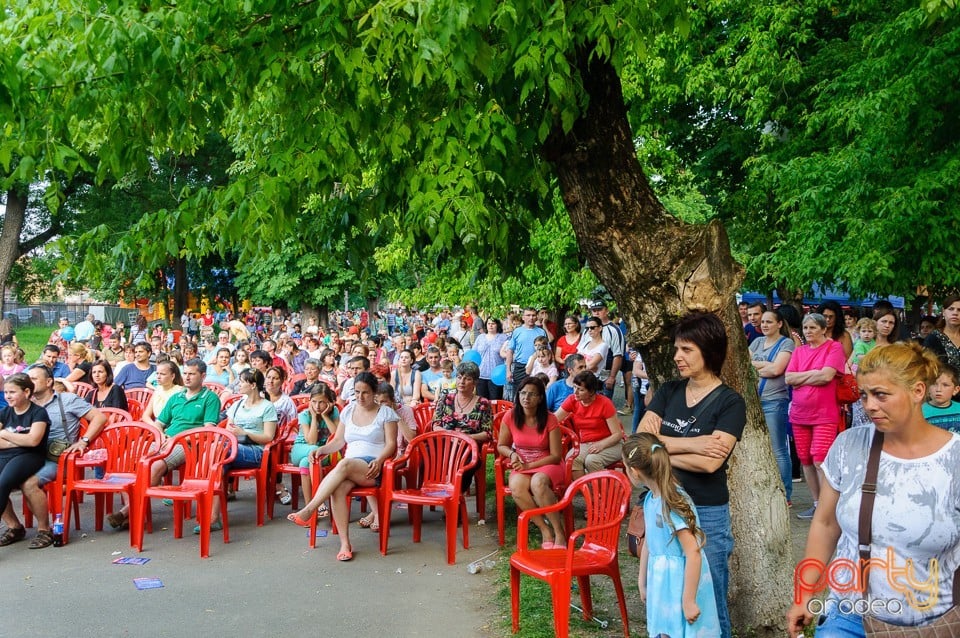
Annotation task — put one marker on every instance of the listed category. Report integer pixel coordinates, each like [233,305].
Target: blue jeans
[715,523]
[775,413]
[248,457]
[639,407]
[833,624]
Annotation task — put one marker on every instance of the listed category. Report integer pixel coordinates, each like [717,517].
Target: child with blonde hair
[672,560]
[867,340]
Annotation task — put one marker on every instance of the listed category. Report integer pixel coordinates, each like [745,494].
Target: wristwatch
[85,439]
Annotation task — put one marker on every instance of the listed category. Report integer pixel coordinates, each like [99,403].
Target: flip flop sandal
[296,520]
[285,498]
[44,538]
[117,520]
[323,511]
[366,523]
[12,535]
[345,555]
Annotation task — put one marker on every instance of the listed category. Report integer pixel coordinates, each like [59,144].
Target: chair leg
[586,597]
[384,516]
[99,511]
[416,511]
[481,478]
[621,599]
[224,516]
[66,518]
[452,514]
[203,519]
[560,591]
[515,597]
[465,522]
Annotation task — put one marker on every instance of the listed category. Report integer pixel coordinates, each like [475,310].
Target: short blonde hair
[906,362]
[868,323]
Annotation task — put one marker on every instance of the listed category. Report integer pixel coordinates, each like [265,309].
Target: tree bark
[657,269]
[16,212]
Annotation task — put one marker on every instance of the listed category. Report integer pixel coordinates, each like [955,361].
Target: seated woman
[105,393]
[328,368]
[406,380]
[219,370]
[23,447]
[317,423]
[311,380]
[274,379]
[596,423]
[915,509]
[463,410]
[169,382]
[79,360]
[370,433]
[253,420]
[532,442]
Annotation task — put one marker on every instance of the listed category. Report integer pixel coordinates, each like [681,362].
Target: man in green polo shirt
[195,407]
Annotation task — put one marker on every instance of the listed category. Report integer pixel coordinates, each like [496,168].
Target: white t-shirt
[916,514]
[367,440]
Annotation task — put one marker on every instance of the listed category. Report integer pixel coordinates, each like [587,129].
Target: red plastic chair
[217,388]
[443,457]
[262,475]
[82,389]
[226,400]
[500,406]
[423,414]
[570,451]
[300,401]
[135,408]
[116,415]
[207,451]
[125,444]
[590,550]
[140,395]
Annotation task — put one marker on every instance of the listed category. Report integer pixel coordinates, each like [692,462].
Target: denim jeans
[834,624]
[715,523]
[248,457]
[775,413]
[639,407]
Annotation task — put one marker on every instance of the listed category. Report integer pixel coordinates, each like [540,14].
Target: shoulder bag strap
[868,493]
[773,355]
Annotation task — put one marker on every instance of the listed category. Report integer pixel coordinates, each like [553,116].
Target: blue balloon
[68,333]
[472,356]
[499,375]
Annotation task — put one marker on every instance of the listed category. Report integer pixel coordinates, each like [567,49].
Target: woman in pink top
[531,441]
[814,411]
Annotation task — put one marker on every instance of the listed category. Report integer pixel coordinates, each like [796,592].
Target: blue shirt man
[521,346]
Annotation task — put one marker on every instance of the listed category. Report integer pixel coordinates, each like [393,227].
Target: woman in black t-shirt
[23,442]
[700,419]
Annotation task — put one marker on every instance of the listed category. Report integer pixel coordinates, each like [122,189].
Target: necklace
[460,406]
[695,398]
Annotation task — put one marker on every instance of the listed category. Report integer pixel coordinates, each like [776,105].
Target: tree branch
[39,240]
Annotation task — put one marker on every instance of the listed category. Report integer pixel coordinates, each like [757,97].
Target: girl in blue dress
[674,578]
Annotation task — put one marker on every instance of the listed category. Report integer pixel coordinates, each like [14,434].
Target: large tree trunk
[657,269]
[16,212]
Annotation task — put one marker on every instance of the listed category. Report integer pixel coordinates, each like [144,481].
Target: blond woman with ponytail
[674,577]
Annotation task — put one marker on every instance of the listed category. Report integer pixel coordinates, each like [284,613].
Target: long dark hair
[250,375]
[838,323]
[519,416]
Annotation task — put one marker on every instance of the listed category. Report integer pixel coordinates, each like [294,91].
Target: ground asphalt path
[265,582]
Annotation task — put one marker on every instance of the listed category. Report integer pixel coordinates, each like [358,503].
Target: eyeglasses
[592,327]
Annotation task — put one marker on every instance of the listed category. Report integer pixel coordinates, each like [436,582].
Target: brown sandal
[12,535]
[44,538]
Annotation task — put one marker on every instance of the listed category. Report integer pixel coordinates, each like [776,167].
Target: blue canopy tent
[819,295]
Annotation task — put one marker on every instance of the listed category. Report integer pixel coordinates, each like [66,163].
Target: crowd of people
[365,372]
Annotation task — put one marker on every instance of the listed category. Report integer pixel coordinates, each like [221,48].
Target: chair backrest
[218,389]
[443,455]
[116,415]
[206,450]
[423,414]
[82,389]
[301,402]
[140,395]
[500,406]
[606,496]
[126,442]
[226,400]
[135,408]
